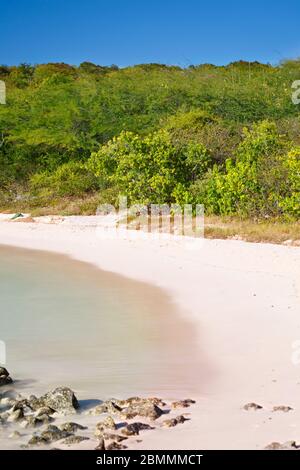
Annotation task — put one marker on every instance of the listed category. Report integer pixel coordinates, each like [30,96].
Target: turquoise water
[67,323]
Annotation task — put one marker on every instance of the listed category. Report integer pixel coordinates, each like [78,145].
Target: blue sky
[126,32]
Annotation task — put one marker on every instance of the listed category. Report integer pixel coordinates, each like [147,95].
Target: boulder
[61,400]
[5,378]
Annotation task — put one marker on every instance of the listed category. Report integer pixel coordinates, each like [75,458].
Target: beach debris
[16,216]
[5,378]
[171,423]
[61,400]
[107,423]
[289,445]
[284,409]
[182,403]
[72,427]
[135,428]
[71,440]
[252,407]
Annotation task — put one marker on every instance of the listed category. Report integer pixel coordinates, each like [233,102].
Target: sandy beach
[244,300]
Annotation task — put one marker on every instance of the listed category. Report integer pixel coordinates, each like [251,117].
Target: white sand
[245,301]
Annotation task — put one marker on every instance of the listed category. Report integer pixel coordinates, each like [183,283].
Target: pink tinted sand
[244,300]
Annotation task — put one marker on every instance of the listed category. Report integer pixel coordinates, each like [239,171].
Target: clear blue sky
[126,32]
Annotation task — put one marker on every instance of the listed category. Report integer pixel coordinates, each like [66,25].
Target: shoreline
[244,300]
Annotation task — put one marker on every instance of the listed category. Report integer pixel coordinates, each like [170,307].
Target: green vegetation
[227,137]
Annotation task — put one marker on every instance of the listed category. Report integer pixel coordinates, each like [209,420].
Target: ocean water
[67,323]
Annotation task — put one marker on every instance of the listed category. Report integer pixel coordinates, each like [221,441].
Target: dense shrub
[150,169]
[70,179]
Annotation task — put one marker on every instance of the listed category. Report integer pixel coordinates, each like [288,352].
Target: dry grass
[266,231]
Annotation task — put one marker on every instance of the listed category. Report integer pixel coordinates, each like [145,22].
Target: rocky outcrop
[61,400]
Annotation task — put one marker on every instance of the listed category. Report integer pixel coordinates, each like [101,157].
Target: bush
[70,179]
[255,182]
[150,169]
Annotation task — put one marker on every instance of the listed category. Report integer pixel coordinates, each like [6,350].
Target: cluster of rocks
[255,407]
[289,445]
[117,425]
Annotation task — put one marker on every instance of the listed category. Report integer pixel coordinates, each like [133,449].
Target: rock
[4,372]
[181,419]
[62,400]
[37,441]
[107,423]
[53,433]
[71,427]
[135,428]
[97,410]
[146,410]
[289,445]
[44,410]
[171,423]
[5,378]
[7,401]
[137,401]
[284,409]
[129,407]
[101,445]
[252,406]
[74,440]
[115,446]
[182,403]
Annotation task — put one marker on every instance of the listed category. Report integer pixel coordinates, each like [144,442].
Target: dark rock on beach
[171,423]
[252,407]
[182,403]
[289,445]
[135,428]
[5,378]
[283,409]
